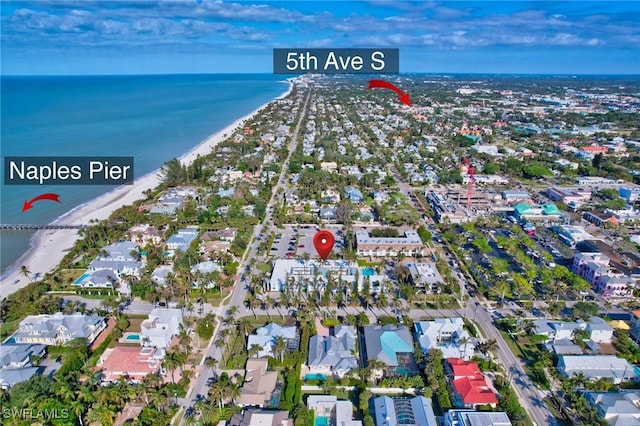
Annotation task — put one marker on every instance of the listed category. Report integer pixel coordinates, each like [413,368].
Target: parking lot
[294,241]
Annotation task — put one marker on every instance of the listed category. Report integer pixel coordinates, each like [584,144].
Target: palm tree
[217,390]
[279,347]
[232,391]
[222,337]
[254,350]
[578,379]
[184,339]
[232,311]
[78,409]
[171,362]
[211,363]
[85,395]
[207,410]
[63,389]
[252,303]
[244,326]
[487,347]
[25,272]
[463,341]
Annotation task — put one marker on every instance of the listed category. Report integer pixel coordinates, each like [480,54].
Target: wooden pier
[34,227]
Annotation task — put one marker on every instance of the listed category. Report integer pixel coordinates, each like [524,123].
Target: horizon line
[433,73]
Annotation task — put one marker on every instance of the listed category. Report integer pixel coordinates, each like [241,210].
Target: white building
[599,330]
[573,196]
[617,408]
[491,150]
[475,418]
[339,413]
[312,274]
[599,181]
[485,179]
[181,240]
[597,367]
[58,328]
[572,235]
[630,193]
[265,337]
[404,411]
[333,355]
[448,335]
[425,276]
[161,326]
[409,245]
[120,258]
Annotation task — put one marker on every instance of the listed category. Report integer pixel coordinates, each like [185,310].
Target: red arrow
[28,204]
[404,96]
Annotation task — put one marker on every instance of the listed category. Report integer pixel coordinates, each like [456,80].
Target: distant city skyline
[166,37]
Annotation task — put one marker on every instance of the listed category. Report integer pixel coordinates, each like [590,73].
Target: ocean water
[152,118]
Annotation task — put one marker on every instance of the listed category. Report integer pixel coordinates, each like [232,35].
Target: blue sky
[200,36]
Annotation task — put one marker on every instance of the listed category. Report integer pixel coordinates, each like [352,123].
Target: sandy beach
[48,247]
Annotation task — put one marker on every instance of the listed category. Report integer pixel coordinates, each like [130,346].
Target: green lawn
[512,344]
[264,267]
[364,263]
[8,328]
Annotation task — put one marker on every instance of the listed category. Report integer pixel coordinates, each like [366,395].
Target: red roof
[132,361]
[475,391]
[593,148]
[463,368]
[470,384]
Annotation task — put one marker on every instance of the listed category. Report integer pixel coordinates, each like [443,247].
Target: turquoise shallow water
[152,118]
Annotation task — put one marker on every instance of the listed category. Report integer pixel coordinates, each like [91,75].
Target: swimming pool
[322,421]
[135,337]
[315,377]
[81,278]
[368,272]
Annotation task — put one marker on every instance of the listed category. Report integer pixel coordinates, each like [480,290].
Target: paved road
[530,397]
[200,388]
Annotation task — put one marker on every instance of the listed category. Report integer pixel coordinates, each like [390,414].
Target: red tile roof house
[132,362]
[469,388]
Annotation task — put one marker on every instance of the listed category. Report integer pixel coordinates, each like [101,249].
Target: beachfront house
[121,258]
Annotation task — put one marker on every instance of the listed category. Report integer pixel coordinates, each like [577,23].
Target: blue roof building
[391,345]
[354,194]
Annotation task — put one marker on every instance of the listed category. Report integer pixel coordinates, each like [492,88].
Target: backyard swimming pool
[368,272]
[81,278]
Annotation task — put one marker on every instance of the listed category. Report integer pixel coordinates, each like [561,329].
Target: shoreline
[48,247]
